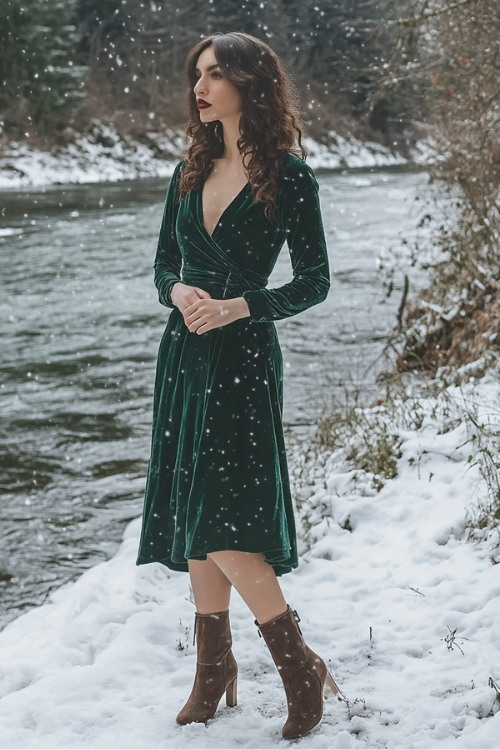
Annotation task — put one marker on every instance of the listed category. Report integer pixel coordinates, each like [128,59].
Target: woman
[218,499]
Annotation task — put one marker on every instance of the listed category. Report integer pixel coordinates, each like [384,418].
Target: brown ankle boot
[216,669]
[305,676]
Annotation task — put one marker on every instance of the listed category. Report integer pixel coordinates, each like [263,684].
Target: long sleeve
[299,214]
[168,261]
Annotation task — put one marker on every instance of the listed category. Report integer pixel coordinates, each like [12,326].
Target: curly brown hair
[270,126]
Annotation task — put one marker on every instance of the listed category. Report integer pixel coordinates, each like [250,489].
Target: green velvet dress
[218,477]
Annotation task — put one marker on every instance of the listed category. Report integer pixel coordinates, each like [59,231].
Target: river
[80,324]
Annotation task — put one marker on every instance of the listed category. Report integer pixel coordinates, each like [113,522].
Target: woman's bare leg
[254,580]
[211,588]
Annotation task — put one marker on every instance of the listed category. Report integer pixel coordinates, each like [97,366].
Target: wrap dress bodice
[217,476]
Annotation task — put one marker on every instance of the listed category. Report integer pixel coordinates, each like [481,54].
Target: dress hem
[280,568]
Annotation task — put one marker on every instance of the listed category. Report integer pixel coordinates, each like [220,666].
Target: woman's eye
[216,75]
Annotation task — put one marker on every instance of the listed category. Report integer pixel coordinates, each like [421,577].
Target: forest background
[65,63]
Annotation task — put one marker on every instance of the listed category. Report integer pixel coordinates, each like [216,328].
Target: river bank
[102,155]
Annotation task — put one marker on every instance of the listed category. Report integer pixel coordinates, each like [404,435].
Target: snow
[349,153]
[102,156]
[400,603]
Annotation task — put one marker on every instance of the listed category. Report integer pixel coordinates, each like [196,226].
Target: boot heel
[331,687]
[231,694]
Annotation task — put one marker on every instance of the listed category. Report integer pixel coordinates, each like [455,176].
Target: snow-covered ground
[99,156]
[102,156]
[392,594]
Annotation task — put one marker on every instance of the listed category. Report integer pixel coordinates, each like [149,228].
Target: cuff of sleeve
[170,286]
[256,302]
[166,288]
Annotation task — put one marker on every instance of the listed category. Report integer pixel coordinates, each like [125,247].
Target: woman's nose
[200,87]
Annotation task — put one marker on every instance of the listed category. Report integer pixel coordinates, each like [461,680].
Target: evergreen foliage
[134,51]
[40,82]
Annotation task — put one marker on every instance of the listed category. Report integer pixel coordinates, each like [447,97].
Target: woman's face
[217,99]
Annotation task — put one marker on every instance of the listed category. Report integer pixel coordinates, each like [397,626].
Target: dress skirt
[218,476]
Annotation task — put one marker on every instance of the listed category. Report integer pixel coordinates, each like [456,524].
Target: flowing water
[80,324]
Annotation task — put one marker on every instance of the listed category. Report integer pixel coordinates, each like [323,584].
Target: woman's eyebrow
[210,68]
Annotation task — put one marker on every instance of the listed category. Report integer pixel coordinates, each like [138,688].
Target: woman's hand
[183,296]
[206,314]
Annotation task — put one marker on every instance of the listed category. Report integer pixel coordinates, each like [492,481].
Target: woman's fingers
[202,294]
[183,295]
[205,314]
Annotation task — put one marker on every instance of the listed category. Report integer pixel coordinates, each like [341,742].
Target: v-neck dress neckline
[224,212]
